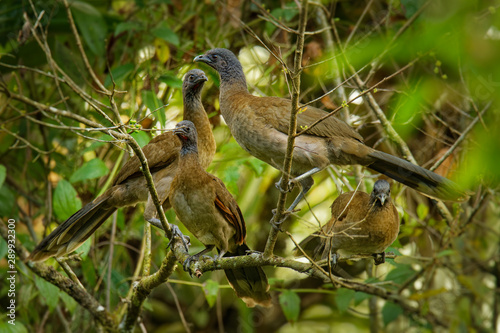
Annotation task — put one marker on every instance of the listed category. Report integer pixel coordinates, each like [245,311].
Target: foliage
[445,104]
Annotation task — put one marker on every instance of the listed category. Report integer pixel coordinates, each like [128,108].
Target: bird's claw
[289,188]
[284,216]
[176,232]
[379,258]
[291,184]
[187,263]
[333,262]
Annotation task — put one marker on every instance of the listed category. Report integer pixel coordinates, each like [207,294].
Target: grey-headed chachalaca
[360,224]
[207,209]
[260,125]
[129,186]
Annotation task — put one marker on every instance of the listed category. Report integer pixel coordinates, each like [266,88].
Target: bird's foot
[176,232]
[191,259]
[333,262]
[284,216]
[292,183]
[250,252]
[289,188]
[379,258]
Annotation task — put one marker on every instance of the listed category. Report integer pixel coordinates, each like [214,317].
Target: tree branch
[65,284]
[143,289]
[292,129]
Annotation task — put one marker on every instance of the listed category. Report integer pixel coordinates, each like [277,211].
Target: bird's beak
[203,78]
[179,130]
[382,197]
[202,58]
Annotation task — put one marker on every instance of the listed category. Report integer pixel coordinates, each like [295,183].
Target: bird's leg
[306,184]
[195,257]
[175,232]
[220,255]
[156,222]
[379,258]
[333,263]
[304,176]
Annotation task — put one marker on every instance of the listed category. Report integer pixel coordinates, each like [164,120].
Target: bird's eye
[215,56]
[191,77]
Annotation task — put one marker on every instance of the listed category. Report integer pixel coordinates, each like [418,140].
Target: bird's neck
[192,101]
[233,79]
[232,86]
[194,111]
[189,151]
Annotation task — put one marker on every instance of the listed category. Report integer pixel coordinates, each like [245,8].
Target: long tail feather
[416,177]
[249,283]
[73,232]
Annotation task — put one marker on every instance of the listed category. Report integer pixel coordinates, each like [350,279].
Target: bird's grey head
[186,132]
[381,191]
[224,62]
[194,80]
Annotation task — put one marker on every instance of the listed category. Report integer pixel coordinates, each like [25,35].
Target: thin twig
[82,51]
[460,139]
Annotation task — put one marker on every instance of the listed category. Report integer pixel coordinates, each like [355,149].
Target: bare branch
[65,284]
[292,129]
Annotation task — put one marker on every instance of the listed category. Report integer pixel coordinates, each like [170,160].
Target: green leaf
[166,34]
[91,26]
[49,292]
[69,302]
[390,312]
[210,289]
[360,296]
[5,327]
[444,253]
[171,81]
[88,271]
[3,247]
[411,6]
[127,26]
[141,137]
[400,274]
[256,165]
[422,211]
[3,174]
[8,205]
[343,298]
[290,304]
[66,202]
[119,74]
[153,103]
[85,248]
[94,168]
[231,176]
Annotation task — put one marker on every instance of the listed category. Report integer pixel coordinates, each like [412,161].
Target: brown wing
[348,208]
[277,111]
[160,152]
[226,204]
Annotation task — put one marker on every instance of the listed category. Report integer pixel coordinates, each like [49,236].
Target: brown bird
[360,224]
[207,209]
[260,125]
[129,186]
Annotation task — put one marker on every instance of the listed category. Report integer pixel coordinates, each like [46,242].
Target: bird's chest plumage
[193,200]
[371,231]
[192,208]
